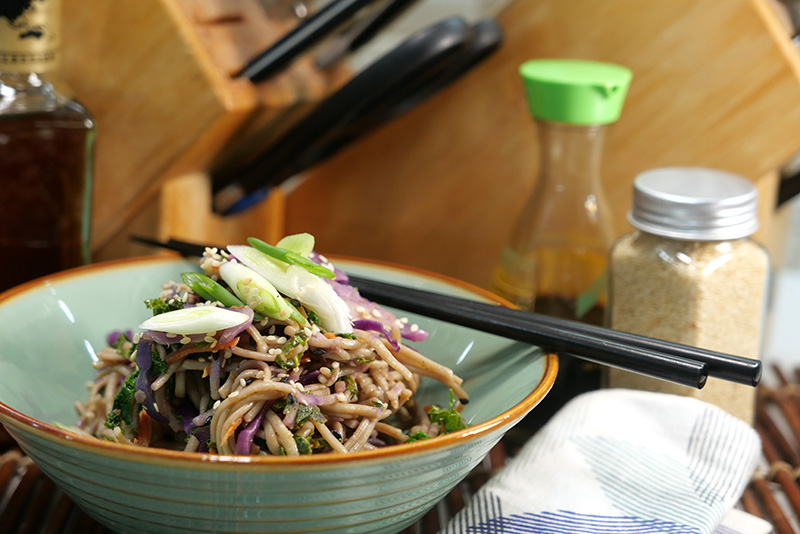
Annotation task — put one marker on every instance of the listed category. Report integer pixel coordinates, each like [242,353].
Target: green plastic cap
[575,91]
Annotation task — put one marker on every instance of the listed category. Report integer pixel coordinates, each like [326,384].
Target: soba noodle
[278,388]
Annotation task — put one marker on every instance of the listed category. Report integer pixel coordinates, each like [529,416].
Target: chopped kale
[303,444]
[159,366]
[312,316]
[449,420]
[417,436]
[281,405]
[365,360]
[318,444]
[119,345]
[346,335]
[350,385]
[121,411]
[212,447]
[283,359]
[377,403]
[305,413]
[159,305]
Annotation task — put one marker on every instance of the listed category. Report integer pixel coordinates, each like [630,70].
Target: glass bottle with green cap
[555,260]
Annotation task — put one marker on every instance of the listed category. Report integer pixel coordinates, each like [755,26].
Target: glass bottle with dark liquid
[46,151]
[555,261]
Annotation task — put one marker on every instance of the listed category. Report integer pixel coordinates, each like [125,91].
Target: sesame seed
[261,374]
[325,371]
[376,313]
[281,340]
[242,382]
[216,405]
[271,329]
[233,394]
[360,309]
[185,340]
[335,365]
[414,328]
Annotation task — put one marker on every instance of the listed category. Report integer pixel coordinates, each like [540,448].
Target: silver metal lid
[694,203]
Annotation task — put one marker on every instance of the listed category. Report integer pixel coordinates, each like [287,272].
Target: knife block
[158,77]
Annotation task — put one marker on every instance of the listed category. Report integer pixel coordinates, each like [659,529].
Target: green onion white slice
[301,244]
[297,283]
[198,320]
[257,292]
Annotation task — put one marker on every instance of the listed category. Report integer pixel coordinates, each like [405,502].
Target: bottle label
[30,35]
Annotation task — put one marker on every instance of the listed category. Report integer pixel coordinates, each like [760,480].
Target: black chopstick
[673,362]
[555,333]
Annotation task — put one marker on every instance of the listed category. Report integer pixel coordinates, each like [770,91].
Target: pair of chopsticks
[681,364]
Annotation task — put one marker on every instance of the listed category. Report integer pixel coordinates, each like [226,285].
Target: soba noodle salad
[268,351]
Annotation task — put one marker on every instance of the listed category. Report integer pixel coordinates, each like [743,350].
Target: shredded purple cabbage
[214,372]
[316,400]
[162,338]
[144,359]
[112,337]
[245,438]
[375,326]
[187,412]
[203,434]
[341,276]
[309,378]
[229,334]
[361,308]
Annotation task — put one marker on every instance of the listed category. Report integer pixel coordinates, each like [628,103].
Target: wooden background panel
[715,84]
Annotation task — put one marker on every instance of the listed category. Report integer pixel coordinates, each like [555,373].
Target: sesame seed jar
[690,273]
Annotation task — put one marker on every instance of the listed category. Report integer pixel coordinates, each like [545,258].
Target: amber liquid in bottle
[45,162]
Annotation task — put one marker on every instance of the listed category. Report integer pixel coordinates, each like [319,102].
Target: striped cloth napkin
[618,461]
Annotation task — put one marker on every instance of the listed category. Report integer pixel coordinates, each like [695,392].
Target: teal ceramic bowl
[52,328]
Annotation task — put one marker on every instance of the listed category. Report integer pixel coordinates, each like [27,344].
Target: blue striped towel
[618,461]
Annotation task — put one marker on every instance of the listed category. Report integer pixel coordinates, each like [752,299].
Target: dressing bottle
[555,260]
[46,149]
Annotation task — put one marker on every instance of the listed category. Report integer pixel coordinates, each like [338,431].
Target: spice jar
[690,274]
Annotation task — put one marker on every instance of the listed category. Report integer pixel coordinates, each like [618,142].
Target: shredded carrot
[329,335]
[232,343]
[231,430]
[145,429]
[206,370]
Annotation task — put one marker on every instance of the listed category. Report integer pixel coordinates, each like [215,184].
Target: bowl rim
[128,452]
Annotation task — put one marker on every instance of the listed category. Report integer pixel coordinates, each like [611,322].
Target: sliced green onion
[292,258]
[197,320]
[205,287]
[295,282]
[257,292]
[302,244]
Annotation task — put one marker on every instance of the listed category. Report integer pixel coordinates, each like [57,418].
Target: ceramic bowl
[52,328]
